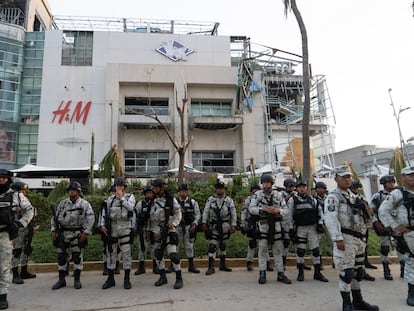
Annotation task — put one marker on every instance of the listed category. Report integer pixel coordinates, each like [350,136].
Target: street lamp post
[397,118]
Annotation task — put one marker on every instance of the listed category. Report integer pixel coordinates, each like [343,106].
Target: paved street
[237,290]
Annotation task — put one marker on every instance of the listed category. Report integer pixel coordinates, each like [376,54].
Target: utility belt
[356,234]
[73,229]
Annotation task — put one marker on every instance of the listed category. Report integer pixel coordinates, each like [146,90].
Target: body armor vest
[305,213]
[6,212]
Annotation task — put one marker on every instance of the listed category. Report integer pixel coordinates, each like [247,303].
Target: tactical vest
[408,202]
[143,216]
[305,213]
[188,215]
[6,212]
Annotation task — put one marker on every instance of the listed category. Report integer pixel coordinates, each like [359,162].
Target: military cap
[342,170]
[408,170]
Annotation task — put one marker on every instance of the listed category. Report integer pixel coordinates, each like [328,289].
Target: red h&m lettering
[63,113]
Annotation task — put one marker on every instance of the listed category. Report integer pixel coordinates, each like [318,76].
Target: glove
[319,228]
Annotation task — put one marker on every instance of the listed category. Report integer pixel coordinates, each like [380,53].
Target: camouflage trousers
[5,257]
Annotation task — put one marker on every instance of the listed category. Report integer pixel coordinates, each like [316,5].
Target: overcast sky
[364,48]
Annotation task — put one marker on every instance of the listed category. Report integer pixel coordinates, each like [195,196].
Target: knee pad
[158,254]
[359,274]
[173,238]
[384,250]
[76,258]
[17,252]
[29,250]
[252,243]
[175,258]
[62,259]
[301,252]
[347,276]
[223,246]
[315,252]
[211,248]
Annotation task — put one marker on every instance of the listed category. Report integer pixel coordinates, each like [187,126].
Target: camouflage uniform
[220,214]
[190,218]
[269,228]
[164,213]
[345,219]
[19,205]
[73,218]
[396,211]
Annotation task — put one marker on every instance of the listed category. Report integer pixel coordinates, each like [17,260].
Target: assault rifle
[169,205]
[219,225]
[60,239]
[108,226]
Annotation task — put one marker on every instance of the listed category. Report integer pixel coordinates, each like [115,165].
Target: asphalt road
[237,290]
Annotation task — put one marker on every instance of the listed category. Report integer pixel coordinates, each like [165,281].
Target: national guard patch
[331,204]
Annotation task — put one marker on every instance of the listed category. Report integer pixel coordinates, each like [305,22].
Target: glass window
[211,108]
[146,106]
[221,162]
[77,48]
[145,163]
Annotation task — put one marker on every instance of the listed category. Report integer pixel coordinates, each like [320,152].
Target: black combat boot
[262,277]
[141,268]
[117,271]
[178,280]
[402,268]
[223,266]
[24,274]
[282,278]
[163,278]
[317,275]
[105,269]
[61,282]
[368,277]
[249,265]
[269,266]
[360,304]
[210,269]
[191,267]
[170,268]
[306,267]
[346,302]
[367,264]
[127,282]
[155,269]
[410,298]
[76,283]
[3,302]
[387,272]
[110,281]
[16,277]
[301,274]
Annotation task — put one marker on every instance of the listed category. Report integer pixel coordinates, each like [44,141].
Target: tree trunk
[307,171]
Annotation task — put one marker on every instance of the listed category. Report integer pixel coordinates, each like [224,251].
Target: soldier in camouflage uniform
[12,204]
[165,216]
[396,213]
[117,223]
[388,182]
[321,191]
[70,227]
[270,207]
[346,221]
[187,230]
[219,221]
[23,247]
[142,210]
[306,223]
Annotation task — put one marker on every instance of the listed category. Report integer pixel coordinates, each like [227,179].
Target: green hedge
[236,247]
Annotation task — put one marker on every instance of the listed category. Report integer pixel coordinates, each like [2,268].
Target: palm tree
[397,164]
[111,163]
[291,4]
